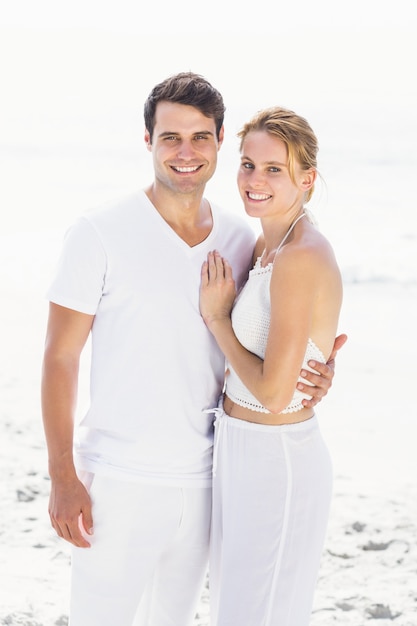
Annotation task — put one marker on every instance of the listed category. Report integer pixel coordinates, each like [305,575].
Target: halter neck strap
[289,231]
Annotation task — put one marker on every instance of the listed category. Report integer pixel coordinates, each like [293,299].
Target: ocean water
[366,206]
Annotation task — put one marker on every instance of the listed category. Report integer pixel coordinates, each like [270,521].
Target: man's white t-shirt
[155,368]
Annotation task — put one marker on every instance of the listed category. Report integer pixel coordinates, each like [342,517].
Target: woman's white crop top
[251,318]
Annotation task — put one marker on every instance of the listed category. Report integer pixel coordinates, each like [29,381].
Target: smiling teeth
[186,169]
[258,196]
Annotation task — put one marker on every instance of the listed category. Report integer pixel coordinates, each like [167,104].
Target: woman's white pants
[148,556]
[271,497]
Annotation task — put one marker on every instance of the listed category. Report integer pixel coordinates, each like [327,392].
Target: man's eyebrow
[177,134]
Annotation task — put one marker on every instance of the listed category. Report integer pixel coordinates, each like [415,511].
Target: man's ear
[221,137]
[148,141]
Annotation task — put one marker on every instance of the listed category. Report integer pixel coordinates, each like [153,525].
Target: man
[130,275]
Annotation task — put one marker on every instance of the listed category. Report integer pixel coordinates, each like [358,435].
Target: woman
[272,471]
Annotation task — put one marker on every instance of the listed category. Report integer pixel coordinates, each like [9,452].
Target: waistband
[235,422]
[222,418]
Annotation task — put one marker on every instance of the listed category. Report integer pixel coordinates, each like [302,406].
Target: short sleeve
[80,276]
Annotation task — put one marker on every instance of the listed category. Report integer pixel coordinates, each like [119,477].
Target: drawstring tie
[218,424]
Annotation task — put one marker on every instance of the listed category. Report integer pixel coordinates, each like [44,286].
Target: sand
[369,565]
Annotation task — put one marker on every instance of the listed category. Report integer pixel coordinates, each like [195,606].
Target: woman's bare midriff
[273,419]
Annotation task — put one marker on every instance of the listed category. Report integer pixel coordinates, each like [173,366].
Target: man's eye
[247,166]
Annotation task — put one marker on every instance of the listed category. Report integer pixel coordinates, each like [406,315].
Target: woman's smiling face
[264,180]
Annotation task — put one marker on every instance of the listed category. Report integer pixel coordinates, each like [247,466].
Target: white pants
[148,556]
[271,497]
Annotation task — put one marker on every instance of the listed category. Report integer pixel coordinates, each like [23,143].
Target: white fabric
[155,367]
[251,320]
[271,498]
[149,550]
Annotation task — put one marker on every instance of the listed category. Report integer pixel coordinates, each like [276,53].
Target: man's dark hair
[186,88]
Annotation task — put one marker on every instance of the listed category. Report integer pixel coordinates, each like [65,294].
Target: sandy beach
[369,565]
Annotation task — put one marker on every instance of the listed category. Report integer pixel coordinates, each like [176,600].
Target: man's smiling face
[184,147]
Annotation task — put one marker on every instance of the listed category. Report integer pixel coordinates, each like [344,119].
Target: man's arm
[66,335]
[323,380]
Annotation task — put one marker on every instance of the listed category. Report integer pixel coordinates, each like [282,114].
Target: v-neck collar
[171,232]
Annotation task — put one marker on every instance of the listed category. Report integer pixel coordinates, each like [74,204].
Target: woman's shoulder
[310,243]
[308,253]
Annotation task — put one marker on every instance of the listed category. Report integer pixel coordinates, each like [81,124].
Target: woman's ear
[308,178]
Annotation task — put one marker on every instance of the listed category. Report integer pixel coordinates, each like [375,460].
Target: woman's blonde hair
[294,131]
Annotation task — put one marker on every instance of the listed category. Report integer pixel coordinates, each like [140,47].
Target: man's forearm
[59,397]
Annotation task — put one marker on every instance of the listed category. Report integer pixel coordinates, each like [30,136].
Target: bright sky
[76,74]
[320,49]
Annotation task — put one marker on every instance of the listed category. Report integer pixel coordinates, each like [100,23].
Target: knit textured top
[251,320]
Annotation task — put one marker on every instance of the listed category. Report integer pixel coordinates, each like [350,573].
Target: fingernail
[312,363]
[303,373]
